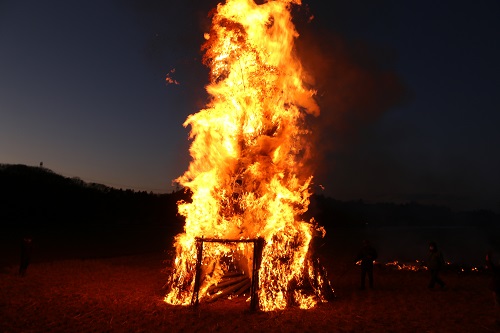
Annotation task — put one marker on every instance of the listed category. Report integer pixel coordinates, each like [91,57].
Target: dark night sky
[408,90]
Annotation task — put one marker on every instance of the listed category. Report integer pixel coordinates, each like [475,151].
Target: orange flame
[249,151]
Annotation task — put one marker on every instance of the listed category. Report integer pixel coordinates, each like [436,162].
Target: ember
[248,174]
[407,266]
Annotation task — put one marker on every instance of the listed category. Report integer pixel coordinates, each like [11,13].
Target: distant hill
[37,196]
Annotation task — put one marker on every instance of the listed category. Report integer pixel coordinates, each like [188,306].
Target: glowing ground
[125,294]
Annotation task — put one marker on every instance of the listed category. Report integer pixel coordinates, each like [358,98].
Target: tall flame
[248,174]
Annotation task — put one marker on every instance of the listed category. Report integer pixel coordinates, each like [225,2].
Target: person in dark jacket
[367,255]
[435,264]
[26,248]
[494,284]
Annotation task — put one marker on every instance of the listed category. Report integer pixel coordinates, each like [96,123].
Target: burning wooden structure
[249,175]
[234,281]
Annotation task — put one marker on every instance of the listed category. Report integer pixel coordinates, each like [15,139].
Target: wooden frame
[258,246]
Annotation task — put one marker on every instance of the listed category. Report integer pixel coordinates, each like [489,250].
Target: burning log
[229,290]
[244,288]
[227,282]
[231,274]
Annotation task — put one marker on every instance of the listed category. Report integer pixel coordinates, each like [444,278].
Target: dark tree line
[70,218]
[37,196]
[334,213]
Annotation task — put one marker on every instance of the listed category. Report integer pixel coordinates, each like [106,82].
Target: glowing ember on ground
[248,175]
[407,266]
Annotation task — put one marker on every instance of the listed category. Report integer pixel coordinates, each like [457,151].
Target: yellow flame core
[247,175]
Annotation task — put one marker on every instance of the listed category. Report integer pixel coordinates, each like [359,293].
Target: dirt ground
[124,294]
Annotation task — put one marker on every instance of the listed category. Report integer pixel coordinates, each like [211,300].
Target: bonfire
[249,176]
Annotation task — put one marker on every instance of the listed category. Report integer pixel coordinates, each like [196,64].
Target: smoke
[356,84]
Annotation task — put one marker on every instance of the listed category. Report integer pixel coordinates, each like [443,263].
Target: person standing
[26,248]
[435,264]
[367,256]
[494,284]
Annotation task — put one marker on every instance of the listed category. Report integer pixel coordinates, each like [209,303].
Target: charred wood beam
[258,247]
[197,278]
[220,240]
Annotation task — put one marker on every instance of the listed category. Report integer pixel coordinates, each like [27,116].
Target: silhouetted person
[26,248]
[435,264]
[494,283]
[367,255]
